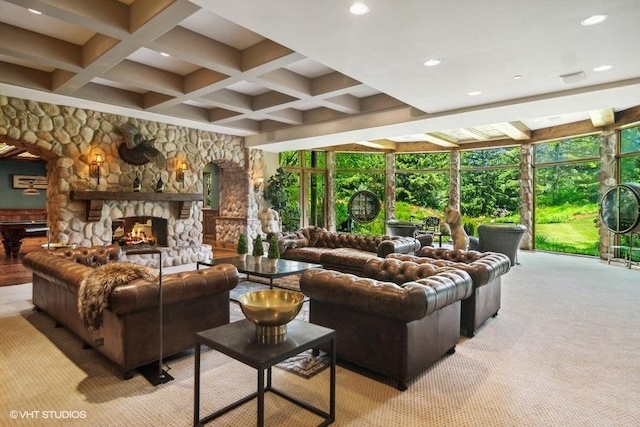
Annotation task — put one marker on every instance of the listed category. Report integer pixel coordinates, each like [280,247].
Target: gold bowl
[271,310]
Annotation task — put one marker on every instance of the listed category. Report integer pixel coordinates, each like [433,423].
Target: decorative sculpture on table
[458,235]
[137,150]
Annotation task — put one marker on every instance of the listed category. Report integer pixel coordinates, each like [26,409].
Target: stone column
[526,194]
[454,179]
[607,178]
[390,185]
[331,191]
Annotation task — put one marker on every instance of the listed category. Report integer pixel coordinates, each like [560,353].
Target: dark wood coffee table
[263,269]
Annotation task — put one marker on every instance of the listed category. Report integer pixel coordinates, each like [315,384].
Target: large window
[566,195]
[422,185]
[490,186]
[306,204]
[356,172]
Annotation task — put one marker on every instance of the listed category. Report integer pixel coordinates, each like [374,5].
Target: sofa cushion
[304,254]
[348,257]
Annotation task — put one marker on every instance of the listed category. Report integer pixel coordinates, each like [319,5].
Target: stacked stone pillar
[526,194]
[607,178]
[454,179]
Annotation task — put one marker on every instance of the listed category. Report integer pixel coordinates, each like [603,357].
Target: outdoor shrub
[469,228]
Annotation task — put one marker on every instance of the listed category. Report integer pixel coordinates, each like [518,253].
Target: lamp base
[153,375]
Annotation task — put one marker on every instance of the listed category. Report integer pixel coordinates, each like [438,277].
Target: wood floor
[12,272]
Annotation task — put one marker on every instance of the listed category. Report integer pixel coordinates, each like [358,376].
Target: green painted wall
[12,198]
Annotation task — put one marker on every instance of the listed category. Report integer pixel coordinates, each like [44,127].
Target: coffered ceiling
[292,74]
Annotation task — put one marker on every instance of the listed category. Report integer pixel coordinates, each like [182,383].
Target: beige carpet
[564,351]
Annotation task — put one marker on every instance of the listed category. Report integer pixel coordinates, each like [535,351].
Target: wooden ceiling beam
[514,130]
[602,117]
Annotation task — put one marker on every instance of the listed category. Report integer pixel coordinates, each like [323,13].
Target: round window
[364,206]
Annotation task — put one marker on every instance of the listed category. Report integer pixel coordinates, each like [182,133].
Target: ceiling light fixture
[359,9]
[474,93]
[593,20]
[602,68]
[517,77]
[35,12]
[431,63]
[164,54]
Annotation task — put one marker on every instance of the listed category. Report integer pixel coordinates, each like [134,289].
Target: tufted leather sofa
[396,330]
[485,270]
[129,336]
[345,252]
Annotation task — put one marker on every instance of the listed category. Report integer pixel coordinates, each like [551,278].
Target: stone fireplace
[84,210]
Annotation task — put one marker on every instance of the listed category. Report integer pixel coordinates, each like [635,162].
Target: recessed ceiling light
[602,68]
[517,77]
[37,12]
[593,20]
[359,8]
[474,93]
[164,54]
[431,63]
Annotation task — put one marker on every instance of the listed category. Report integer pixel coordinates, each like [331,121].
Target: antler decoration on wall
[138,151]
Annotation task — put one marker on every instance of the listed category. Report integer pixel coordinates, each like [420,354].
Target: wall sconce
[95,166]
[182,167]
[256,184]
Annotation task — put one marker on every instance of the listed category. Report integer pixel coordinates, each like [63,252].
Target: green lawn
[578,236]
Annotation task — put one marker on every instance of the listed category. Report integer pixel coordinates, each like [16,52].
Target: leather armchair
[401,228]
[501,238]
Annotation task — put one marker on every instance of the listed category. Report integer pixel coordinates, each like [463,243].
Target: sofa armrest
[398,244]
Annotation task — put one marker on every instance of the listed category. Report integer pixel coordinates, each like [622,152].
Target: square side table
[237,340]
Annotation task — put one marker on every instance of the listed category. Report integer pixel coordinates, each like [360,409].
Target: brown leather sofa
[345,252]
[129,336]
[485,270]
[395,330]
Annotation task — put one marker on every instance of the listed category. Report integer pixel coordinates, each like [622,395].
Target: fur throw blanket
[96,287]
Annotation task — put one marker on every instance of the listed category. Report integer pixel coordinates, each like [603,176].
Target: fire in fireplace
[139,232]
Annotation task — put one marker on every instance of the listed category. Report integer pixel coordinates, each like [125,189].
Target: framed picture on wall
[23,181]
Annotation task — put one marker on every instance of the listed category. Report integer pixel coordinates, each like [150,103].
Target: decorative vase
[257,259]
[243,257]
[273,262]
[136,184]
[160,186]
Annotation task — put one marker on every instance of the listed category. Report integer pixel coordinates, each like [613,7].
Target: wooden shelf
[94,200]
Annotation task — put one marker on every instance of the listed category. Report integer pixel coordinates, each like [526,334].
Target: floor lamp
[153,375]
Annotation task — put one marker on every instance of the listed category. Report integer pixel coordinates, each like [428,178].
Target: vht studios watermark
[47,415]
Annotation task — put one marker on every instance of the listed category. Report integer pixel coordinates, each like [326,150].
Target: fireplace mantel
[94,200]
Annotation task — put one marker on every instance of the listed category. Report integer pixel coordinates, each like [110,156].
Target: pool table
[14,231]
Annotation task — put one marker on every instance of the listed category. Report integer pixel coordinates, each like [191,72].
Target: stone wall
[607,180]
[526,194]
[68,138]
